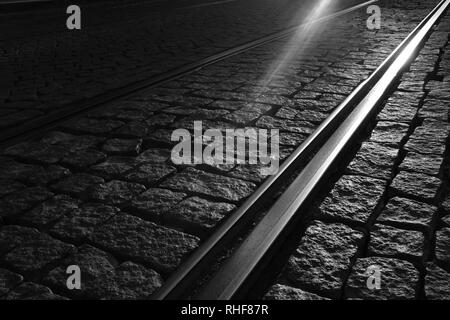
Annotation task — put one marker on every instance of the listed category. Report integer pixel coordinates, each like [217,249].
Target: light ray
[299,42]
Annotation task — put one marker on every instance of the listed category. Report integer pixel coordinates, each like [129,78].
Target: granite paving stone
[213,185]
[353,198]
[104,278]
[32,291]
[30,251]
[416,185]
[422,163]
[437,283]
[283,292]
[396,243]
[77,184]
[197,215]
[8,280]
[138,240]
[389,133]
[22,200]
[49,211]
[155,202]
[76,225]
[149,174]
[374,160]
[442,250]
[116,192]
[323,260]
[408,214]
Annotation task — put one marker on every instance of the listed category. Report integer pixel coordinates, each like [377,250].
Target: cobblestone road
[101,192]
[45,66]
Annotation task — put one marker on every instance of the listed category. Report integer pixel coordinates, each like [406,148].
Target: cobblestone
[397,243]
[29,251]
[442,247]
[153,156]
[282,292]
[9,186]
[149,174]
[446,220]
[427,164]
[83,159]
[13,170]
[43,176]
[49,211]
[8,280]
[114,167]
[353,198]
[122,146]
[374,160]
[77,184]
[434,109]
[138,240]
[104,278]
[437,283]
[76,225]
[116,192]
[92,126]
[197,215]
[393,112]
[32,291]
[435,131]
[247,114]
[405,213]
[416,185]
[323,260]
[212,185]
[70,142]
[440,92]
[156,202]
[31,174]
[22,200]
[40,152]
[296,126]
[389,133]
[425,147]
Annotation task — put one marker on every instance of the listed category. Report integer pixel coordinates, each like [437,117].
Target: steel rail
[240,271]
[38,125]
